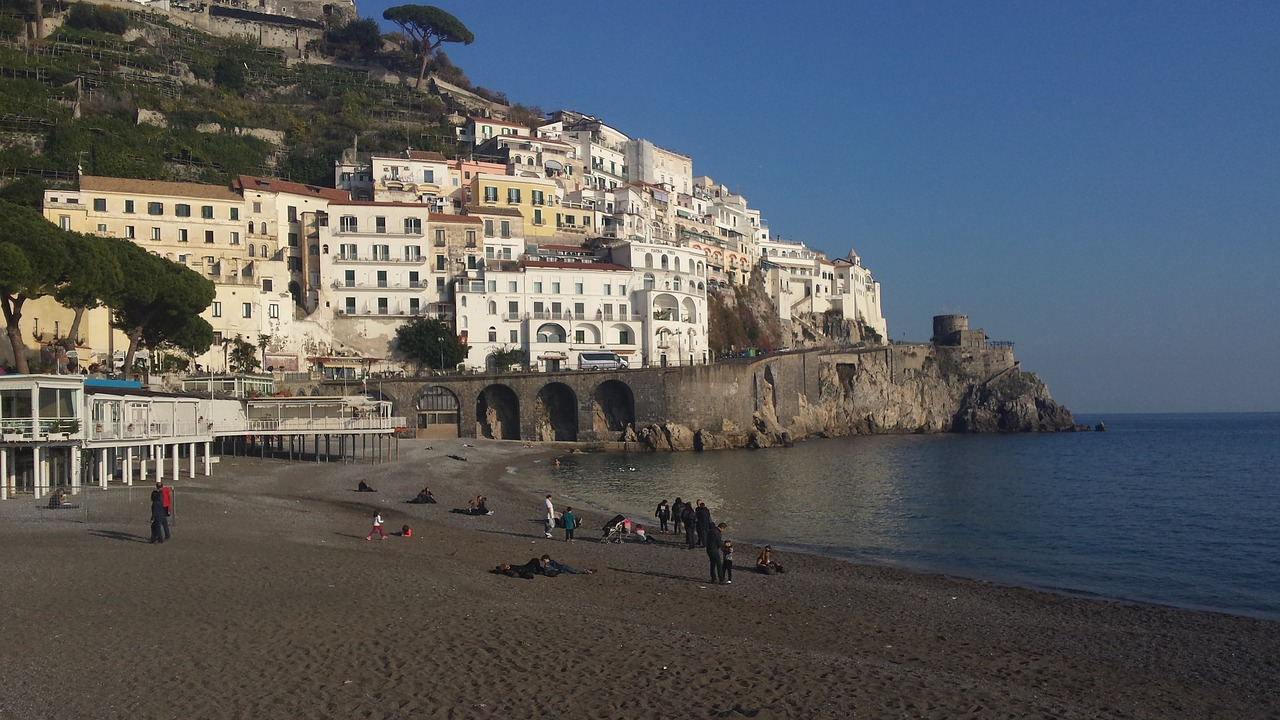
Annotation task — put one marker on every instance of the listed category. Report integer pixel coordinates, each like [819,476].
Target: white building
[645,302]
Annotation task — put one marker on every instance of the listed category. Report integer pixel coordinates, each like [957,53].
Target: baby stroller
[616,530]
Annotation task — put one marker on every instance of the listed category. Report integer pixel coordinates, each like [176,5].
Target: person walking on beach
[377,527]
[570,522]
[663,513]
[702,516]
[715,552]
[677,508]
[160,496]
[158,518]
[549,521]
[690,532]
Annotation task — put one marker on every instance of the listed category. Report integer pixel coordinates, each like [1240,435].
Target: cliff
[896,389]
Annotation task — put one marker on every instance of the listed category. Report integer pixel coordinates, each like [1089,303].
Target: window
[266,285]
[128,206]
[493,334]
[382,306]
[471,238]
[488,228]
[440,283]
[513,196]
[257,208]
[622,289]
[217,308]
[102,227]
[515,336]
[577,288]
[412,253]
[155,208]
[99,204]
[440,262]
[235,213]
[380,225]
[349,307]
[246,310]
[313,250]
[513,308]
[347,251]
[349,278]
[579,336]
[253,250]
[273,310]
[511,286]
[491,286]
[608,289]
[429,176]
[555,287]
[293,239]
[381,252]
[439,237]
[293,214]
[414,306]
[208,237]
[624,337]
[64,222]
[206,212]
[537,197]
[506,228]
[347,223]
[155,233]
[182,234]
[382,278]
[490,193]
[537,217]
[537,286]
[413,226]
[129,232]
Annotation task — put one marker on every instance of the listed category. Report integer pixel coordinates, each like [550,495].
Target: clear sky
[1096,181]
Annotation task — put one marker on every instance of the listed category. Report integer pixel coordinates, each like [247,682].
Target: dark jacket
[704,517]
[714,540]
[158,513]
[663,512]
[687,515]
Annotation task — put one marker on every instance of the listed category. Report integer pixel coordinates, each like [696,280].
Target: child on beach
[377,527]
[405,532]
[727,551]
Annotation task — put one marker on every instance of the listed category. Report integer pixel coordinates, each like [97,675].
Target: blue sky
[1097,181]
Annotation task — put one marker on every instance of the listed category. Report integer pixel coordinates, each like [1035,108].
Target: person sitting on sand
[765,563]
[58,499]
[424,497]
[364,487]
[638,531]
[506,569]
[406,532]
[482,506]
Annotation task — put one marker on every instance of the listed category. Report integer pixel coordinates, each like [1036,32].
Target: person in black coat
[159,519]
[663,513]
[690,531]
[677,508]
[715,546]
[702,516]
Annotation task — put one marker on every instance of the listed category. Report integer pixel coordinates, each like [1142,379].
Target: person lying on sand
[558,567]
[475,506]
[364,487]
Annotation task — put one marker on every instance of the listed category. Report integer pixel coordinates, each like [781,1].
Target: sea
[1173,509]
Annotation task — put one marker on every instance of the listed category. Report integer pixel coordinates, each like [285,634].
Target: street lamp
[441,339]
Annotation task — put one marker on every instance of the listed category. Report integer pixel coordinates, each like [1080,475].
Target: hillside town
[567,238]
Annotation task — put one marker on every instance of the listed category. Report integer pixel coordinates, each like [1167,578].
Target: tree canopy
[430,342]
[93,277]
[34,260]
[163,307]
[428,27]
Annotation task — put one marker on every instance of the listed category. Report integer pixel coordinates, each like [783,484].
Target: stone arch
[689,311]
[498,413]
[556,412]
[590,333]
[295,290]
[439,412]
[613,408]
[551,333]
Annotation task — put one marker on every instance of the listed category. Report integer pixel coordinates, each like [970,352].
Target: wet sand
[268,602]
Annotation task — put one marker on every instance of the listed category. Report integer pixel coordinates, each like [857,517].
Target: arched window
[648,281]
[264,251]
[664,262]
[493,334]
[251,251]
[675,284]
[314,250]
[493,308]
[677,264]
[464,301]
[648,258]
[251,227]
[325,249]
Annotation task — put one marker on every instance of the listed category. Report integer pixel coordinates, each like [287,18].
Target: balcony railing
[271,425]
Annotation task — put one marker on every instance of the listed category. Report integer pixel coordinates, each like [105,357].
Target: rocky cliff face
[899,389]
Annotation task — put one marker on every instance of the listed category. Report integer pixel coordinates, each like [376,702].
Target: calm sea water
[1179,510]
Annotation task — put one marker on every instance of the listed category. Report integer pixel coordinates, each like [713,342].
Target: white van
[601,361]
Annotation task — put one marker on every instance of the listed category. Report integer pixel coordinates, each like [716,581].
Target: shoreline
[270,601]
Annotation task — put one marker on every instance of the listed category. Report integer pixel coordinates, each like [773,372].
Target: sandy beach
[269,603]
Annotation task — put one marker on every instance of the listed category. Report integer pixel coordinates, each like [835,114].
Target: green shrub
[98,17]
